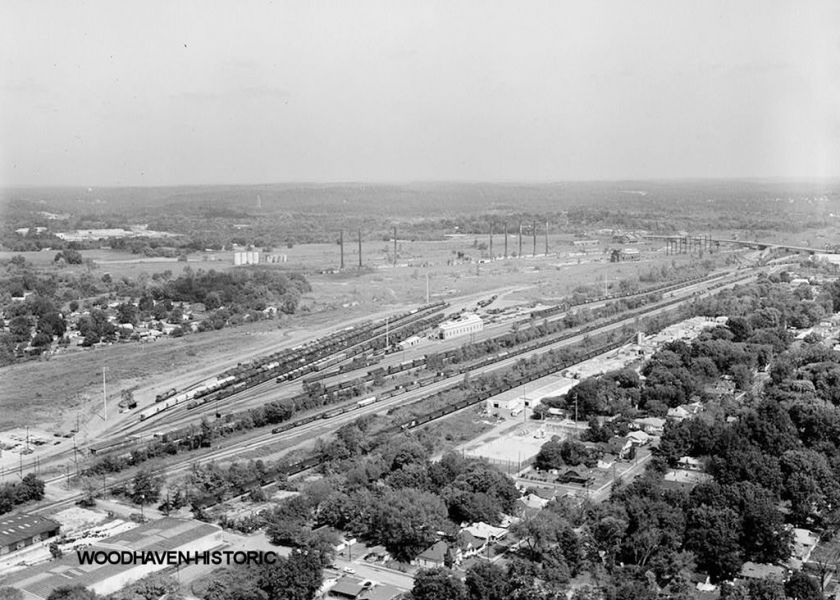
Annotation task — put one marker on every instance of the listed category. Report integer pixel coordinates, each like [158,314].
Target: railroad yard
[396,369]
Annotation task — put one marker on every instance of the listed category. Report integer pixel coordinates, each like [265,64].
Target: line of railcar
[290,364]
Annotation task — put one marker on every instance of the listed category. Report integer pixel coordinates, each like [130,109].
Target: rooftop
[20,526]
[164,534]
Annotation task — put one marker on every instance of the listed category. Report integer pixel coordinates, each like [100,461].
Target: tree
[72,592]
[145,488]
[127,313]
[233,584]
[802,587]
[10,593]
[70,256]
[150,587]
[486,581]
[711,536]
[405,521]
[437,584]
[55,551]
[20,328]
[297,577]
[52,324]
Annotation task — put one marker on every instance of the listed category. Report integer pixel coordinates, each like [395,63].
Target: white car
[350,570]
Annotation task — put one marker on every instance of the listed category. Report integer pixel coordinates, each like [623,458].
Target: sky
[138,93]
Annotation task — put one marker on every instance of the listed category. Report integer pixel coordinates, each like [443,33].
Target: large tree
[438,584]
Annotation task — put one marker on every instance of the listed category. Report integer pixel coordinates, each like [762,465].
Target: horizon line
[409,182]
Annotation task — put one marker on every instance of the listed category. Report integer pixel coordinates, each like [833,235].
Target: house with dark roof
[348,588]
[19,530]
[432,557]
[572,476]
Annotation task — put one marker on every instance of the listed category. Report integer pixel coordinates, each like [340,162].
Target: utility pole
[104,396]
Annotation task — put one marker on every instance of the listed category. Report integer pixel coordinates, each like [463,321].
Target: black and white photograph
[420,300]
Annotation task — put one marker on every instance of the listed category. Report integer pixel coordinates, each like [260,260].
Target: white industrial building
[246,258]
[463,325]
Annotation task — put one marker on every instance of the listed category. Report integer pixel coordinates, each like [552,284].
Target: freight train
[296,362]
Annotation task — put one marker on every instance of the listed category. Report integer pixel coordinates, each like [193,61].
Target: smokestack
[546,238]
[360,248]
[491,240]
[395,245]
[535,238]
[520,239]
[506,239]
[341,243]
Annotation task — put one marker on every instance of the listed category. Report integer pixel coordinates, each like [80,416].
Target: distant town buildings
[87,235]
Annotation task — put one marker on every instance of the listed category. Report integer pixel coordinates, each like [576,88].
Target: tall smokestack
[360,248]
[535,238]
[395,245]
[506,239]
[546,238]
[341,243]
[491,240]
[520,239]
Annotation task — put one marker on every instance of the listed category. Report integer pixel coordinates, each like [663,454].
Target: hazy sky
[179,92]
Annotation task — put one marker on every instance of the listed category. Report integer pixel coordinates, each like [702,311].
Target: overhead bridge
[686,244]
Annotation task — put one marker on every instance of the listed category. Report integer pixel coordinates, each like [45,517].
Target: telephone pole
[104,396]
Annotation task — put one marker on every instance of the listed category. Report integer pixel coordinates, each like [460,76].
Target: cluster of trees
[756,330]
[239,289]
[32,321]
[13,494]
[35,304]
[555,454]
[774,460]
[393,495]
[296,577]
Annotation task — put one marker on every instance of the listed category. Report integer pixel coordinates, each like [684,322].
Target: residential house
[804,542]
[680,413]
[762,571]
[348,588]
[432,557]
[638,438]
[651,425]
[689,463]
